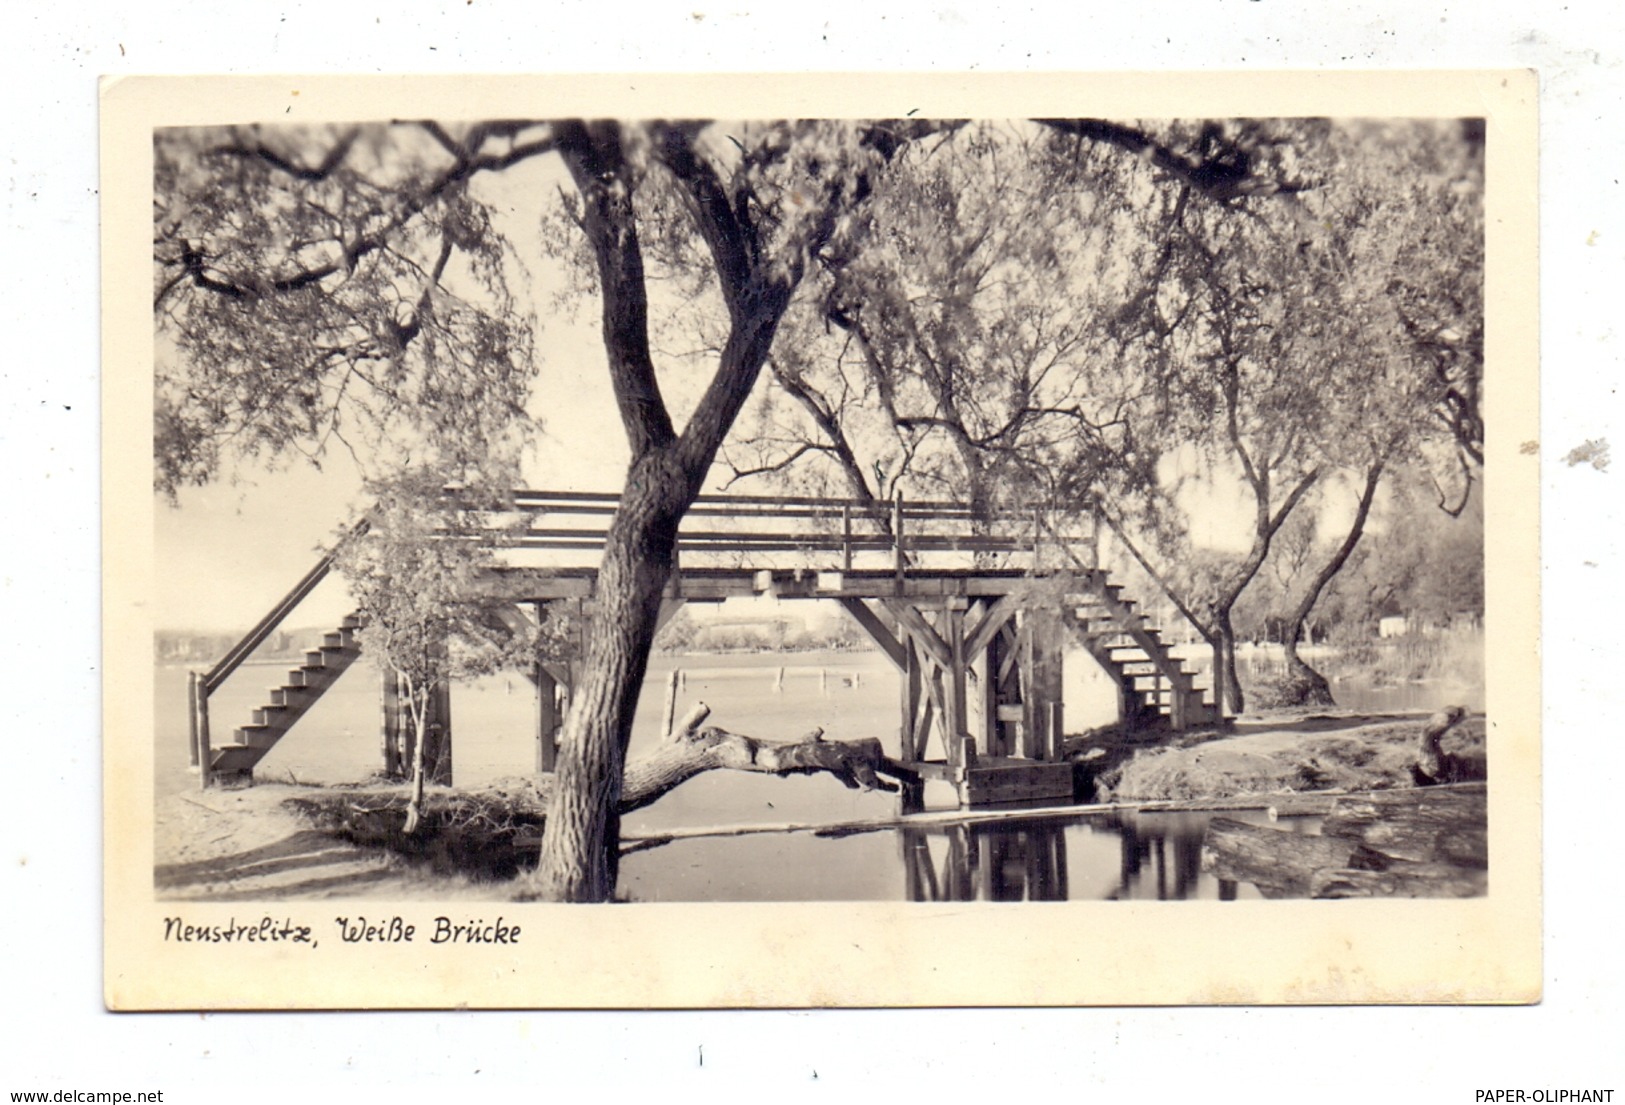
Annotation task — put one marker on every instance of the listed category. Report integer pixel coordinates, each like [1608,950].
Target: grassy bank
[1451,656]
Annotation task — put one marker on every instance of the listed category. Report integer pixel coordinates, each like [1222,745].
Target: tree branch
[597,162]
[1222,177]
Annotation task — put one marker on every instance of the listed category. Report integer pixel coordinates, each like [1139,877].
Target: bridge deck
[717,584]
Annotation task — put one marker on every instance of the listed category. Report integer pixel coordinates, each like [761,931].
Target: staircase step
[257,735]
[1096,608]
[288,703]
[233,759]
[1115,638]
[292,696]
[329,656]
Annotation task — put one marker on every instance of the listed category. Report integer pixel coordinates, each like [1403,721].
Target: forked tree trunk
[583,825]
[579,844]
[1305,685]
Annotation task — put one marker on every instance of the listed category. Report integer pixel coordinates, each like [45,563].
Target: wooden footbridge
[974,609]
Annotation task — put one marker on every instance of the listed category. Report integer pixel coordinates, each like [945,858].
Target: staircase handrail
[274,617]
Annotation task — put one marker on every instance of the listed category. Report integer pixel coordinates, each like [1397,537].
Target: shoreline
[248,844]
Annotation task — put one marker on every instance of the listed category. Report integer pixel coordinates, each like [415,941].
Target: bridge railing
[907,530]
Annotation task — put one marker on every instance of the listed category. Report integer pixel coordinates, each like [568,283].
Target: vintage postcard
[833,541]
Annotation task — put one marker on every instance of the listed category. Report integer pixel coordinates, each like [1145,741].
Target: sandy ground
[245,845]
[229,845]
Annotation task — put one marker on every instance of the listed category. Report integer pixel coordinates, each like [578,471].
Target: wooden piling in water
[669,714]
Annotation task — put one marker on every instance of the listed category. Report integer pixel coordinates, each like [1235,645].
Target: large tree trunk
[1304,685]
[579,844]
[1226,684]
[583,826]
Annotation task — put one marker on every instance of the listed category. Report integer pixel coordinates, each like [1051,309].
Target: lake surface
[851,695]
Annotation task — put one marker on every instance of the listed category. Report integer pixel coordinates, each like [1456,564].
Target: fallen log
[1405,843]
[1437,824]
[687,750]
[1402,880]
[509,814]
[1280,863]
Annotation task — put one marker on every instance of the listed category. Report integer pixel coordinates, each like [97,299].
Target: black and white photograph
[572,525]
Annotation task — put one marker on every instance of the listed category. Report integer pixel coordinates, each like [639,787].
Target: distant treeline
[684,634]
[181,646]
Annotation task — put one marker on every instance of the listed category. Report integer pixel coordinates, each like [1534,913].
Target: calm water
[851,695]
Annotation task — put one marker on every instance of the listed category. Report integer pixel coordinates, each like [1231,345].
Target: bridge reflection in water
[1159,858]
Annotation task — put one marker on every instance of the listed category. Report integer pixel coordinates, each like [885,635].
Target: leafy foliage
[322,285]
[417,577]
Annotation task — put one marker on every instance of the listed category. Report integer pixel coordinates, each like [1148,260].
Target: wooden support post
[205,754]
[439,718]
[897,538]
[1177,704]
[877,629]
[846,537]
[191,719]
[1029,688]
[987,690]
[910,705]
[1046,686]
[389,694]
[955,729]
[547,720]
[937,706]
[985,704]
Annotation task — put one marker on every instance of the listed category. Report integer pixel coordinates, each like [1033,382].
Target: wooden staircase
[305,685]
[1155,689]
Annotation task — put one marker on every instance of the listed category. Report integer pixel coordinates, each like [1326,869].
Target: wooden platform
[995,780]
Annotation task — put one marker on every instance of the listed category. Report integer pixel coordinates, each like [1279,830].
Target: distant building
[1394,625]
